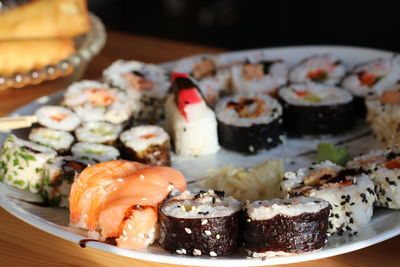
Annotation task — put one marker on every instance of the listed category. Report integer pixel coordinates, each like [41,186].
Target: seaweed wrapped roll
[94,153]
[57,118]
[313,109]
[98,132]
[285,226]
[148,144]
[249,122]
[60,141]
[203,224]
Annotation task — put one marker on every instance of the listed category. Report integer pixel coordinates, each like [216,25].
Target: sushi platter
[249,158]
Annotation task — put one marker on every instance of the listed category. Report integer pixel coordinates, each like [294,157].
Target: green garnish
[91,151]
[321,77]
[312,98]
[338,155]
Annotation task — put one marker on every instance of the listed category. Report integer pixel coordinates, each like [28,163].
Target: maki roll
[146,83]
[211,78]
[384,169]
[59,174]
[148,144]
[350,194]
[371,78]
[249,122]
[98,132]
[319,69]
[191,123]
[202,224]
[57,118]
[383,116]
[60,141]
[312,109]
[285,226]
[94,153]
[264,76]
[22,163]
[95,101]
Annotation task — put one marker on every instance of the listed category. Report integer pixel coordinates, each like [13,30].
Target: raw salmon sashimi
[121,200]
[92,186]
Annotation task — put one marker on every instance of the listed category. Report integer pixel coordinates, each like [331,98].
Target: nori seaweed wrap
[202,224]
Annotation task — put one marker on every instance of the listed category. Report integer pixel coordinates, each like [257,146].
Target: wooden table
[24,245]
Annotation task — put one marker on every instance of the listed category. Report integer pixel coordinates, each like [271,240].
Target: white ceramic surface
[384,224]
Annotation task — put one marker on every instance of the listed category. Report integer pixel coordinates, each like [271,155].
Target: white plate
[384,224]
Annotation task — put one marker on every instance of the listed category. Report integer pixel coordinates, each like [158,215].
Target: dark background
[250,24]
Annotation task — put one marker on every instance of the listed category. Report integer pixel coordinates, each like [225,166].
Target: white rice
[195,136]
[329,95]
[60,141]
[335,72]
[68,119]
[94,152]
[267,209]
[271,110]
[134,137]
[388,69]
[277,76]
[98,132]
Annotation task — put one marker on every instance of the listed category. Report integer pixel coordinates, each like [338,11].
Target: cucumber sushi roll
[212,79]
[59,174]
[383,116]
[60,141]
[206,224]
[147,83]
[371,78]
[94,153]
[319,69]
[249,122]
[383,167]
[95,101]
[285,226]
[191,123]
[148,144]
[22,163]
[98,132]
[350,194]
[57,118]
[264,76]
[313,109]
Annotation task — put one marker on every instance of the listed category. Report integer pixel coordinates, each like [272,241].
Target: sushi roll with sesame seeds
[95,101]
[147,83]
[349,193]
[22,163]
[191,123]
[60,141]
[313,109]
[383,116]
[57,118]
[98,132]
[148,144]
[205,224]
[384,169]
[263,76]
[325,69]
[371,79]
[94,153]
[272,225]
[249,122]
[59,174]
[213,80]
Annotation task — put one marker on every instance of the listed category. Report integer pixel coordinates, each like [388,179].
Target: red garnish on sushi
[58,117]
[393,164]
[318,75]
[301,93]
[368,79]
[175,75]
[188,97]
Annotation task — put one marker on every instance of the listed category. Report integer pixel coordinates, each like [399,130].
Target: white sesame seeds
[204,221]
[193,208]
[144,198]
[179,251]
[187,230]
[213,254]
[196,252]
[217,236]
[130,226]
[170,187]
[141,176]
[251,148]
[207,232]
[124,233]
[183,251]
[120,180]
[85,216]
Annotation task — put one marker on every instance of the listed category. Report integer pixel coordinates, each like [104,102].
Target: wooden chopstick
[10,123]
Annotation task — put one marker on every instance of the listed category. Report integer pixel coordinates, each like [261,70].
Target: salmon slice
[390,98]
[92,186]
